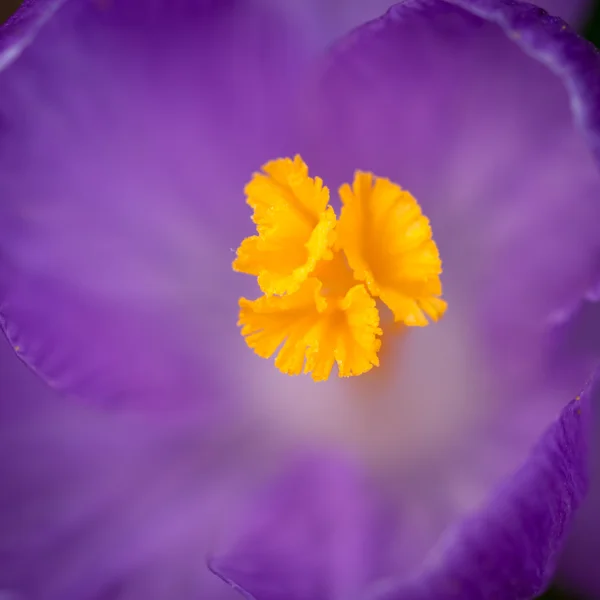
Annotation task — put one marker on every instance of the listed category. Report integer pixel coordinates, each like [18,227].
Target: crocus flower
[164,459]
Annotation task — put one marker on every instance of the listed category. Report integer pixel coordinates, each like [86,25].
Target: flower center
[321,277]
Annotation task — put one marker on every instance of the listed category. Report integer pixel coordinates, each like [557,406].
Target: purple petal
[510,547]
[326,20]
[127,132]
[578,568]
[21,391]
[101,505]
[314,534]
[21,27]
[576,334]
[488,112]
[320,533]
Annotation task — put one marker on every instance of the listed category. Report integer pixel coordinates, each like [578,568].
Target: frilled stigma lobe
[322,278]
[387,241]
[294,223]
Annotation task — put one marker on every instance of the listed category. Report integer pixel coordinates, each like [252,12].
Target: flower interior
[326,280]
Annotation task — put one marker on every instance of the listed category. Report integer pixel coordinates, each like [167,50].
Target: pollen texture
[322,279]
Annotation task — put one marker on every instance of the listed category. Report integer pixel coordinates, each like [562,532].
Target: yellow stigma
[388,243]
[294,223]
[321,277]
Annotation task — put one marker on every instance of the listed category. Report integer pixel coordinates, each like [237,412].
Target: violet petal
[127,132]
[313,534]
[509,548]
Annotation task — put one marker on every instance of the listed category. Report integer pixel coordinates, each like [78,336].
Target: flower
[162,446]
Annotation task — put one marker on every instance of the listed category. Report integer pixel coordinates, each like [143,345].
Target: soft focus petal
[320,533]
[316,533]
[509,548]
[575,334]
[326,20]
[100,505]
[127,132]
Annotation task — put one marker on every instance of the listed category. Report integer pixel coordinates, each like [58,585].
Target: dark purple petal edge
[509,549]
[547,39]
[22,26]
[551,41]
